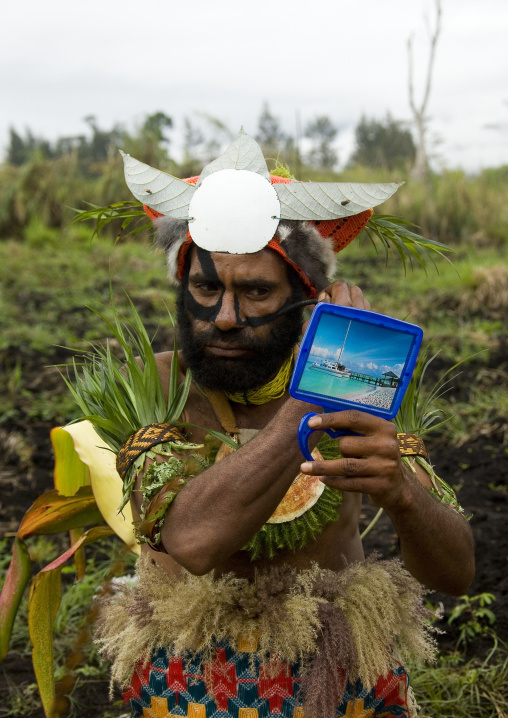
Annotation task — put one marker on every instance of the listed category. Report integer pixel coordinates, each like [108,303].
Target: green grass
[46,286]
[456,688]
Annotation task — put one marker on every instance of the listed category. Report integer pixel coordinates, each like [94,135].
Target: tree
[270,135]
[322,132]
[383,143]
[193,140]
[103,144]
[154,127]
[21,150]
[421,165]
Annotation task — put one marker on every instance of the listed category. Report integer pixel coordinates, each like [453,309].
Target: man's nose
[228,316]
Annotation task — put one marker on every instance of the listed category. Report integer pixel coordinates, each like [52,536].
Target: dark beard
[235,375]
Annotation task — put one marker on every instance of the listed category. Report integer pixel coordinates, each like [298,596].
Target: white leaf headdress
[234,207]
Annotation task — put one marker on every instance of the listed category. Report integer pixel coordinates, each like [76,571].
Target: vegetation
[51,272]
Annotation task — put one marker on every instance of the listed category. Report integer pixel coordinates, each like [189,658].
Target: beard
[266,355]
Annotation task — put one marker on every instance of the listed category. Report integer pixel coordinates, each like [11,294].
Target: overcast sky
[120,60]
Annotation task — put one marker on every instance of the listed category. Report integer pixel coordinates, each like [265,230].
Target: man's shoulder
[164,359]
[164,362]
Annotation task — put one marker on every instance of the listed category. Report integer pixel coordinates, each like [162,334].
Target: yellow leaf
[106,482]
[70,472]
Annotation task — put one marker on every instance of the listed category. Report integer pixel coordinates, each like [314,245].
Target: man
[262,601]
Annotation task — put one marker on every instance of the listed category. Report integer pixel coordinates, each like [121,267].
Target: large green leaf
[329,200]
[243,153]
[53,513]
[43,603]
[12,592]
[160,191]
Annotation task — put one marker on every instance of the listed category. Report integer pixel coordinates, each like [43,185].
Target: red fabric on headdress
[341,231]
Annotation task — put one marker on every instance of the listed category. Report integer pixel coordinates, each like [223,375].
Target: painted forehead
[264,266]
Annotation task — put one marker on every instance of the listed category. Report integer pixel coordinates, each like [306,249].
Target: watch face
[354,358]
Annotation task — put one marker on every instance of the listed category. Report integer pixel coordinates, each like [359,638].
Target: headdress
[236,206]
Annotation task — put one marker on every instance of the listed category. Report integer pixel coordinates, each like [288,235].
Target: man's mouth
[227,351]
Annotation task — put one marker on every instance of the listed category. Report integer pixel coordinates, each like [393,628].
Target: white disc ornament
[235,211]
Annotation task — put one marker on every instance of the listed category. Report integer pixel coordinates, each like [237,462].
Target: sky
[372,351]
[120,60]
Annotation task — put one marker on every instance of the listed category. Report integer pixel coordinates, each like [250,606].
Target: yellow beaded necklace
[274,389]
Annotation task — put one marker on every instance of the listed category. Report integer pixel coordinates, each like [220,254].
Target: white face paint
[235,211]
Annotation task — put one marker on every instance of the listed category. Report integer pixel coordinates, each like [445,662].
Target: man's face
[230,335]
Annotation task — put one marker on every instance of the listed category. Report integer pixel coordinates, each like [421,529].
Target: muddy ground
[479,467]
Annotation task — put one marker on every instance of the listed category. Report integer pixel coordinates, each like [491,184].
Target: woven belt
[412,445]
[143,440]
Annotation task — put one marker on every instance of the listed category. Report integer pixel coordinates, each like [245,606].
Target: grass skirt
[336,634]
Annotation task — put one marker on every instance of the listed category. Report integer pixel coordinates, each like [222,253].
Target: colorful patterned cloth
[236,685]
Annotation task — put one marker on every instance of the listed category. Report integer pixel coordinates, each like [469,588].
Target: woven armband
[143,440]
[412,445]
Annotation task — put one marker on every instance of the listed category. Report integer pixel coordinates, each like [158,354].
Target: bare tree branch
[419,113]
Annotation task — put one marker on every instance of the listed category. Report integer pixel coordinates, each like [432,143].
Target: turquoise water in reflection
[320,382]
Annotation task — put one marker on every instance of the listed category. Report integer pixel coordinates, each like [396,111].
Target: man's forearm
[436,543]
[222,508]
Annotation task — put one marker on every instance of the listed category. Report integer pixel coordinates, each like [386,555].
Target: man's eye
[207,288]
[258,292]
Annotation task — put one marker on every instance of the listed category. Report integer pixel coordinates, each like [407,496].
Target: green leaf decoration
[243,153]
[329,200]
[129,212]
[160,191]
[419,414]
[18,575]
[297,533]
[43,603]
[396,238]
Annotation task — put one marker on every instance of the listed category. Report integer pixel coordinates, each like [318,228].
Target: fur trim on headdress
[308,250]
[171,235]
[300,241]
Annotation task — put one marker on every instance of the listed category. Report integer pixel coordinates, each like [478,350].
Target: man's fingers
[358,422]
[348,467]
[369,445]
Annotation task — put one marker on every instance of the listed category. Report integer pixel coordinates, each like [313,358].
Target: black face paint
[263,359]
[210,314]
[289,307]
[197,310]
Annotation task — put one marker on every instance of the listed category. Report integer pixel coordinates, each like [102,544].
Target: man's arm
[436,543]
[217,512]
